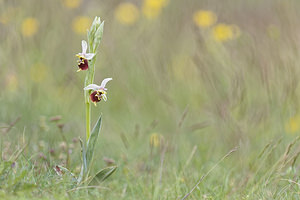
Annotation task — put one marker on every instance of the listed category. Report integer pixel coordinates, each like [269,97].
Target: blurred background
[198,73]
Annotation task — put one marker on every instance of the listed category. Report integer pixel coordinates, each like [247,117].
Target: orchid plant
[92,94]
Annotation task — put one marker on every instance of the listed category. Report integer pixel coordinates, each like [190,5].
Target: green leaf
[28,186]
[20,177]
[103,174]
[83,152]
[92,142]
[83,171]
[4,165]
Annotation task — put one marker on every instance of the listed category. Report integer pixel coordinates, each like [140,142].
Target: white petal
[92,87]
[104,97]
[80,55]
[89,56]
[84,46]
[104,82]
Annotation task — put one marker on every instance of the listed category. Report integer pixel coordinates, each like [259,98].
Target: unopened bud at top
[95,34]
[95,25]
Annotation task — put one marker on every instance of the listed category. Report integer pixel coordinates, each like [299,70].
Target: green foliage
[103,174]
[90,147]
[15,180]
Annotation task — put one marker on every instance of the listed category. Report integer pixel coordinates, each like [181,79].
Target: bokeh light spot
[71,3]
[127,13]
[204,18]
[152,8]
[224,32]
[29,27]
[81,24]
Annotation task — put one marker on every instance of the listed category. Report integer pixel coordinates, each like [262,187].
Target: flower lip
[95,96]
[83,64]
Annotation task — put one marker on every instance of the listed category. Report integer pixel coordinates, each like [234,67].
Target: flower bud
[95,34]
[96,23]
[98,36]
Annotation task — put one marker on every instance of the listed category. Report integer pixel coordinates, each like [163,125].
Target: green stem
[88,120]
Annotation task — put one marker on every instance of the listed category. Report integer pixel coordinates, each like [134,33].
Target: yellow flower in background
[156,3]
[293,124]
[81,24]
[12,82]
[127,13]
[29,27]
[38,72]
[4,19]
[224,32]
[71,3]
[204,18]
[155,140]
[273,32]
[152,8]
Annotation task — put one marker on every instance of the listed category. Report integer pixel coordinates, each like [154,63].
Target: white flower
[99,92]
[83,62]
[85,55]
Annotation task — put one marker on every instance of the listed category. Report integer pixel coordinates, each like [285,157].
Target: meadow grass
[181,99]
